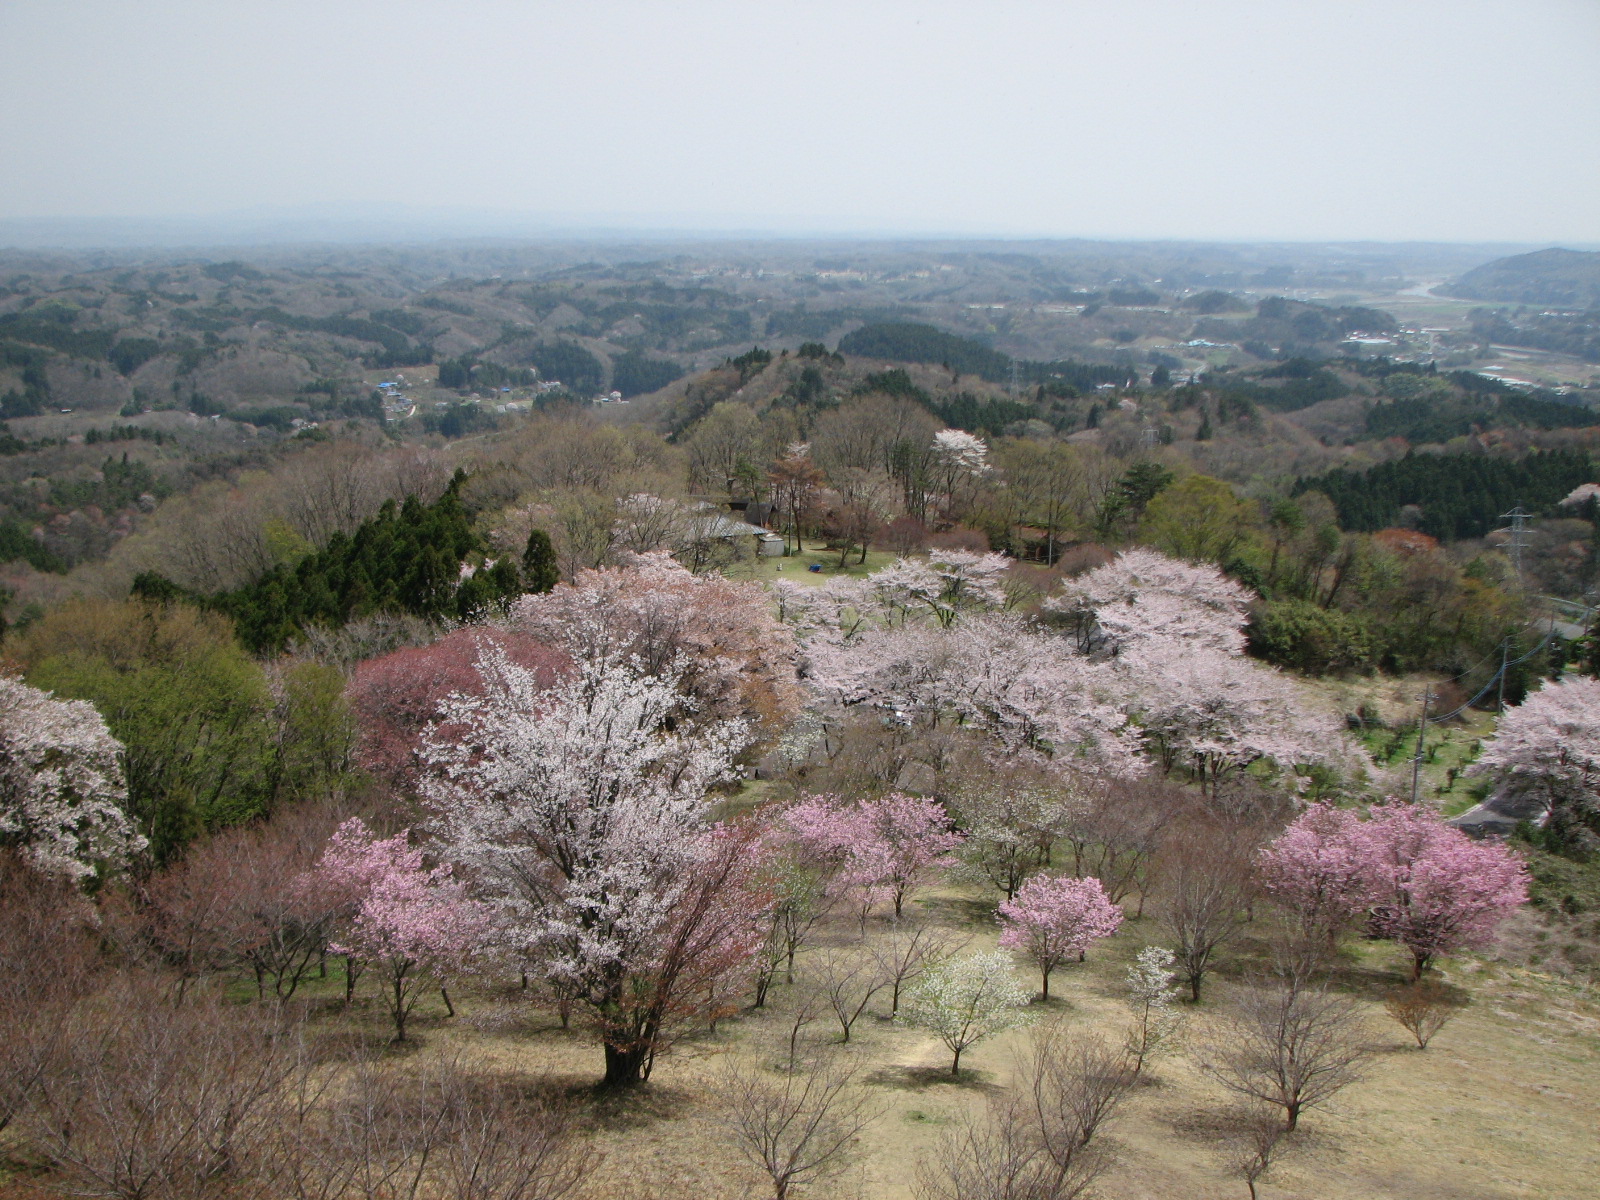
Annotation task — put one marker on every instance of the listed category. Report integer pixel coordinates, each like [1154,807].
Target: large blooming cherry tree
[1402,870]
[1142,596]
[61,785]
[1217,713]
[1549,747]
[580,812]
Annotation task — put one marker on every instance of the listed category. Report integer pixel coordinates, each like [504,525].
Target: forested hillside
[1554,277]
[1457,496]
[447,775]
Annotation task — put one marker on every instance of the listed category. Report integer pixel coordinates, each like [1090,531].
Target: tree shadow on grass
[922,1079]
[623,1109]
[1346,971]
[958,911]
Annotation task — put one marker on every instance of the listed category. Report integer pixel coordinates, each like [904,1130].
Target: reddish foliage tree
[397,696]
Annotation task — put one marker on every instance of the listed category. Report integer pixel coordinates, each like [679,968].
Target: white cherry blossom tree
[1548,747]
[61,785]
[580,813]
[1142,596]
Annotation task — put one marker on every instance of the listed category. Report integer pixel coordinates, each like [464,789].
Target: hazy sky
[1449,120]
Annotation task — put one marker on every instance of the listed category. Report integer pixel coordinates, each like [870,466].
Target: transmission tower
[1519,533]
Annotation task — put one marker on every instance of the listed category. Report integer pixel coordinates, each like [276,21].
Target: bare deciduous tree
[1076,1083]
[1113,829]
[1255,1143]
[154,1100]
[1000,1156]
[1422,1009]
[1206,884]
[798,1126]
[444,1128]
[847,980]
[47,962]
[906,950]
[1289,1043]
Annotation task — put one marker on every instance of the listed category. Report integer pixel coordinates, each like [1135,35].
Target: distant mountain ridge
[1555,277]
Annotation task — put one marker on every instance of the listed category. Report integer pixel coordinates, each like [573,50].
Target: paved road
[1499,814]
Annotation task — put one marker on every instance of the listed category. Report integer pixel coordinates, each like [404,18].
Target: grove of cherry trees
[688,816]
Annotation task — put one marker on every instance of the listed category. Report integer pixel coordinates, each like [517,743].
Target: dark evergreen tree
[539,570]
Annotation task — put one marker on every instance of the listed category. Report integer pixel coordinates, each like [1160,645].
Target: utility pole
[1519,533]
[1416,759]
[1505,655]
[1149,435]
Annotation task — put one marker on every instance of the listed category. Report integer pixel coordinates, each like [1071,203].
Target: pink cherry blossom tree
[1143,595]
[61,785]
[905,837]
[1411,877]
[946,587]
[1322,870]
[1441,891]
[1218,713]
[717,638]
[411,923]
[883,848]
[1054,919]
[1026,689]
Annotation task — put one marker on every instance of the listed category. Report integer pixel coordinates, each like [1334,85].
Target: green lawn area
[1447,751]
[797,567]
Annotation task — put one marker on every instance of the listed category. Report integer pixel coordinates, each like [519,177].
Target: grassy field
[797,567]
[1504,1103]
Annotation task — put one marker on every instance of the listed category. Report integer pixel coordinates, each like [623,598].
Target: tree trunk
[1045,992]
[399,1007]
[955,1067]
[1293,1110]
[624,1067]
[450,1009]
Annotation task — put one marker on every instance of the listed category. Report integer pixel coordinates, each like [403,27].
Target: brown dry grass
[1504,1103]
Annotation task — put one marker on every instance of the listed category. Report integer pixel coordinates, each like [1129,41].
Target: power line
[1416,759]
[1518,531]
[1497,678]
